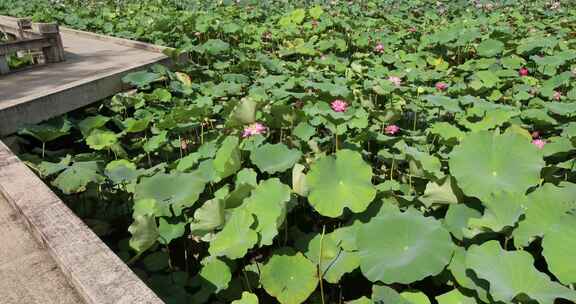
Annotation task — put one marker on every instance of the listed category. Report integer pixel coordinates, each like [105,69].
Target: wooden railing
[31,36]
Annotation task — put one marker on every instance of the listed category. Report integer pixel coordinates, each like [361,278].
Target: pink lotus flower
[412,30]
[397,81]
[523,72]
[339,105]
[557,95]
[254,129]
[379,48]
[391,129]
[441,86]
[539,143]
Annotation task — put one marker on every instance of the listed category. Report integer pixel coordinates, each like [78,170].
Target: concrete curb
[97,274]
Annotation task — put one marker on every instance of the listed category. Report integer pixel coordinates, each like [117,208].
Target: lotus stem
[320,263]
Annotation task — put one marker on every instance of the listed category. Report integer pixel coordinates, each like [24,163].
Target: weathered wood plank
[97,274]
[24,45]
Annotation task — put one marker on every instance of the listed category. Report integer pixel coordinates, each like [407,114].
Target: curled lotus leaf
[172,192]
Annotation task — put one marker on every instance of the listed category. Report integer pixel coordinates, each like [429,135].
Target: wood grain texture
[95,272]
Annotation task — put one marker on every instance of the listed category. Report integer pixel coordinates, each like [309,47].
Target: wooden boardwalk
[47,255]
[93,67]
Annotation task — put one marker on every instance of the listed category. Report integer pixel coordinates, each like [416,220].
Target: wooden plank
[10,25]
[96,273]
[25,45]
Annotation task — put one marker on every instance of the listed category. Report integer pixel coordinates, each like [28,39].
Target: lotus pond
[339,152]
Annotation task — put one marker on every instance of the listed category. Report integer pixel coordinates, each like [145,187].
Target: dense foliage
[369,152]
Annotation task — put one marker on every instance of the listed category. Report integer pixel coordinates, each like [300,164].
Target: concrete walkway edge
[97,274]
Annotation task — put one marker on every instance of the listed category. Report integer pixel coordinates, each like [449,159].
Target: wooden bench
[31,36]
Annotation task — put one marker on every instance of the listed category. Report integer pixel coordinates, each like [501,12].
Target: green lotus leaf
[444,102]
[465,277]
[77,176]
[346,236]
[208,217]
[244,113]
[544,207]
[488,79]
[101,139]
[511,273]
[482,164]
[559,246]
[141,79]
[187,162]
[455,297]
[172,192]
[424,161]
[446,131]
[155,142]
[343,181]
[490,48]
[206,171]
[415,297]
[93,122]
[457,218]
[144,233]
[121,171]
[561,108]
[334,261]
[160,94]
[48,131]
[215,46]
[385,294]
[538,117]
[170,231]
[440,192]
[247,176]
[132,125]
[291,279]
[247,298]
[492,119]
[557,146]
[274,158]
[216,274]
[145,207]
[362,300]
[236,238]
[502,209]
[268,203]
[316,11]
[304,131]
[402,247]
[227,159]
[47,169]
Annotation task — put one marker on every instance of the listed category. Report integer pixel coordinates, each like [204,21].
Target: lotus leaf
[482,164]
[402,247]
[339,182]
